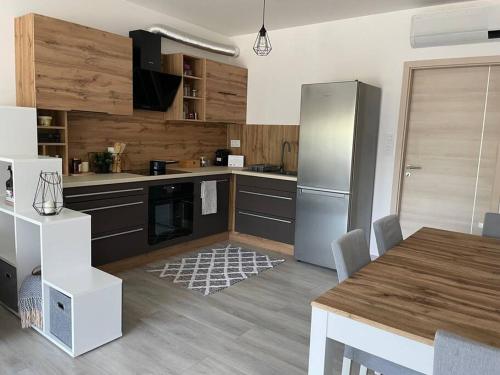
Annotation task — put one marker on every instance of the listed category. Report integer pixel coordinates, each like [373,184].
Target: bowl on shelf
[45,120]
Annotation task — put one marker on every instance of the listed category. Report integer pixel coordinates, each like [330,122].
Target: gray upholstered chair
[491,225]
[455,355]
[387,233]
[351,253]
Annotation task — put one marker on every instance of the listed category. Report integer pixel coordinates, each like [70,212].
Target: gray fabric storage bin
[60,316]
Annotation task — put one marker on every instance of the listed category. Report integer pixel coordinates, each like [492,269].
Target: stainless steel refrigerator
[339,124]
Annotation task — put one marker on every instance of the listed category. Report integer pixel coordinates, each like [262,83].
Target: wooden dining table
[392,308]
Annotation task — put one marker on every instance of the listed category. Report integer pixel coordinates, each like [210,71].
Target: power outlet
[235,143]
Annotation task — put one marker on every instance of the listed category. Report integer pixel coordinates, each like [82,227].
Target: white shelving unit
[61,244]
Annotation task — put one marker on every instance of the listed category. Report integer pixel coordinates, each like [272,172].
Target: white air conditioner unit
[464,25]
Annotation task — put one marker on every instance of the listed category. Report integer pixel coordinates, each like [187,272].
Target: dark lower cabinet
[265,207]
[120,216]
[8,285]
[107,248]
[119,219]
[265,226]
[206,225]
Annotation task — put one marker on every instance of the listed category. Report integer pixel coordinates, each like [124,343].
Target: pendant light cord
[264,13]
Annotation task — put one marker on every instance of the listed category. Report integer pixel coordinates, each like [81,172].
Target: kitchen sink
[288,173]
[269,168]
[283,173]
[264,168]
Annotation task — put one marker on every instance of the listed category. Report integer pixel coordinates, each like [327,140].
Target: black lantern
[262,45]
[48,197]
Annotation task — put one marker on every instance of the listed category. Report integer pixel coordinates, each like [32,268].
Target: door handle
[413,167]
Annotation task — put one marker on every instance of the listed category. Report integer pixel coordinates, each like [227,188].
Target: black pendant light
[262,45]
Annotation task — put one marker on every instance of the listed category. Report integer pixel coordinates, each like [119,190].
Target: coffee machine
[221,157]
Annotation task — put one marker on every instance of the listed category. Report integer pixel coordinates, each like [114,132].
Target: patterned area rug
[211,271]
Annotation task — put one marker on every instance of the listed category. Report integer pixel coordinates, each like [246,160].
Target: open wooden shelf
[59,124]
[192,77]
[193,98]
[195,78]
[192,120]
[51,127]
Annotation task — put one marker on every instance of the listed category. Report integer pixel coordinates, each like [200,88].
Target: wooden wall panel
[262,143]
[147,135]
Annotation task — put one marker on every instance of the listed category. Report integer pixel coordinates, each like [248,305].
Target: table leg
[346,366]
[317,342]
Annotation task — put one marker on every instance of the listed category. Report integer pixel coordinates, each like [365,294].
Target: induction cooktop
[147,172]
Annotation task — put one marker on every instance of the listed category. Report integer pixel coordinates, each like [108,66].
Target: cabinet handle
[103,192]
[266,195]
[8,275]
[118,234]
[227,93]
[265,217]
[215,181]
[110,207]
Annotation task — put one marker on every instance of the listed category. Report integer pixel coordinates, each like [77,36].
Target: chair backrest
[455,355]
[387,233]
[351,253]
[491,225]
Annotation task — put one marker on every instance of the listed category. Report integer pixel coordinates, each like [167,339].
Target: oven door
[170,216]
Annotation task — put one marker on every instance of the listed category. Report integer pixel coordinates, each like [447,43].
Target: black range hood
[153,90]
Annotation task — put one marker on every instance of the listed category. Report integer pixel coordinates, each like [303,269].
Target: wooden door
[226,93]
[488,183]
[447,109]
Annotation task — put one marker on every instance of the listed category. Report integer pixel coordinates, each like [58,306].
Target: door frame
[409,69]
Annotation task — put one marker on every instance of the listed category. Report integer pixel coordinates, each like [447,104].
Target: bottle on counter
[9,187]
[75,165]
[203,162]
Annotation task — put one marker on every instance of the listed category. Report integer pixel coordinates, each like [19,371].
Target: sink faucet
[282,165]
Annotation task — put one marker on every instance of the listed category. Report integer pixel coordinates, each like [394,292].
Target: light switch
[235,143]
[388,144]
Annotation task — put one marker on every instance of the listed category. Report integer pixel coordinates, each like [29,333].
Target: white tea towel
[208,197]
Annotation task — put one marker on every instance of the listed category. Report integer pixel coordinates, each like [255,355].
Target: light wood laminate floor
[258,326]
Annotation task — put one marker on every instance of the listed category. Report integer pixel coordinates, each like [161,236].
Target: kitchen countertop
[119,178]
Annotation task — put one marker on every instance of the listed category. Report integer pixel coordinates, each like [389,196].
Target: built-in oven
[170,212]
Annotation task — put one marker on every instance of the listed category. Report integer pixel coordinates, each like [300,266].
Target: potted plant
[101,162]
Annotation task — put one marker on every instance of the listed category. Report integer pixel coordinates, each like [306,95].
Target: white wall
[117,16]
[371,49]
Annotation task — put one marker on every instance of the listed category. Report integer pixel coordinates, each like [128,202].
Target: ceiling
[236,17]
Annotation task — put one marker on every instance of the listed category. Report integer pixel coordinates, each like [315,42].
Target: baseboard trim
[247,239]
[157,255]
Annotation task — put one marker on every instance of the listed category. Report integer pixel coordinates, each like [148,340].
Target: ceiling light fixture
[262,45]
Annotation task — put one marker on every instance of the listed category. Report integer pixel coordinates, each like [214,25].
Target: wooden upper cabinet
[226,93]
[65,66]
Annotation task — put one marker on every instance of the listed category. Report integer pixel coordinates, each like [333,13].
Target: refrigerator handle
[323,193]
